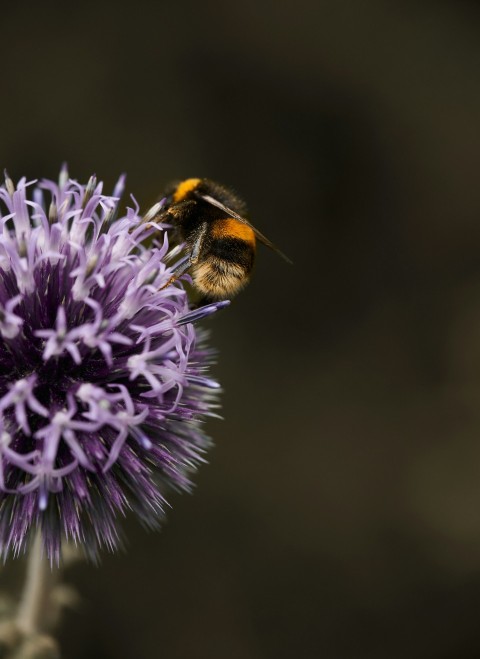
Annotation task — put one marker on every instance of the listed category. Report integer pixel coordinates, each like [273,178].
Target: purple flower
[103,376]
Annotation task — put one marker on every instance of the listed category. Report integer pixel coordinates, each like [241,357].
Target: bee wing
[263,239]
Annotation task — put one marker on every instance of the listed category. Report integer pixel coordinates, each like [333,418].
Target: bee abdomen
[225,270]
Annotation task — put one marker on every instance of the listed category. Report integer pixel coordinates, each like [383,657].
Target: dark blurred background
[339,516]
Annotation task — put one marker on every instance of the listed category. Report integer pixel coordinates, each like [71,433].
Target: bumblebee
[220,242]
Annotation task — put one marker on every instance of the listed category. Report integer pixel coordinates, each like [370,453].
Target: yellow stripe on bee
[184,188]
[233,229]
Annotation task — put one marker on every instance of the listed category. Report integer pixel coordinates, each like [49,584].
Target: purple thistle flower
[103,384]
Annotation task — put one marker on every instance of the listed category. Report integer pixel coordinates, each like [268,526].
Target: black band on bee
[232,250]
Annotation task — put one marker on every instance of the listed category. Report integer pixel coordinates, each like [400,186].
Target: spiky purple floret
[103,383]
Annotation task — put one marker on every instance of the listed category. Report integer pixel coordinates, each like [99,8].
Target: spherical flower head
[103,375]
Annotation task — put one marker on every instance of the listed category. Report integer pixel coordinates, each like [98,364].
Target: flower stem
[38,582]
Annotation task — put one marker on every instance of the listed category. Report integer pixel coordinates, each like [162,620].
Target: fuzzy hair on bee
[211,220]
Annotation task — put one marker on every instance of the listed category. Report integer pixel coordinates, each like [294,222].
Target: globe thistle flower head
[103,375]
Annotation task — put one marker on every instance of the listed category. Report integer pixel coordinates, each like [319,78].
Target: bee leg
[178,272]
[192,259]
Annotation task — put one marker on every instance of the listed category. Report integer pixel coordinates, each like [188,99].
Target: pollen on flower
[103,376]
